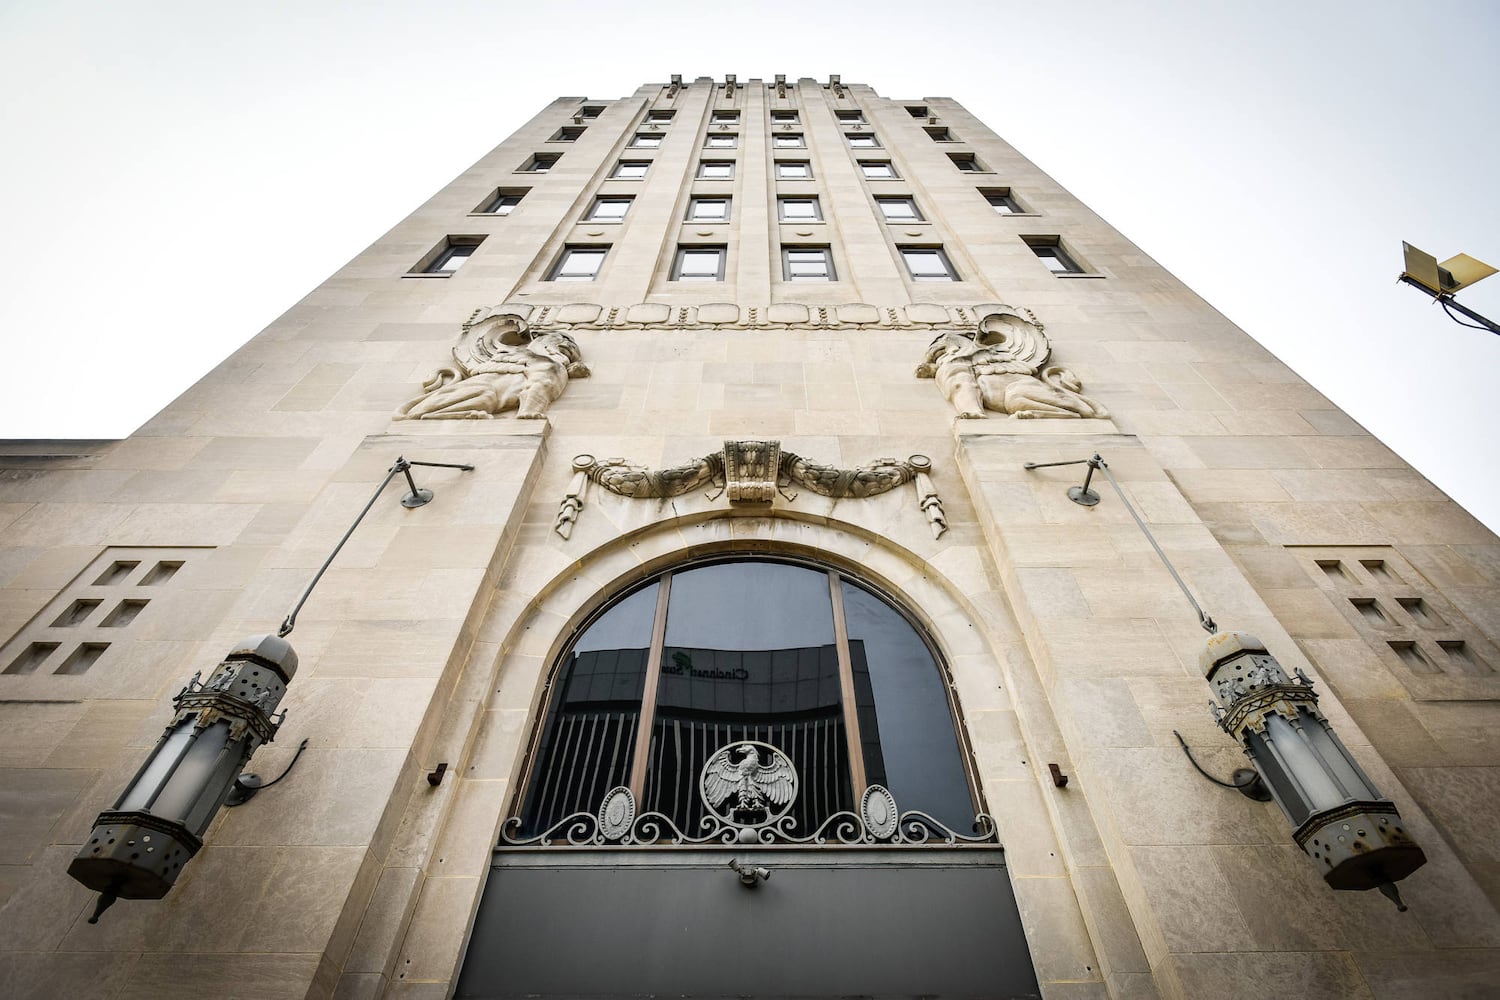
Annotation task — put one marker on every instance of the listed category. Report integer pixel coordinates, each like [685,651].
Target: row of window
[612,208]
[708,263]
[786,170]
[731,116]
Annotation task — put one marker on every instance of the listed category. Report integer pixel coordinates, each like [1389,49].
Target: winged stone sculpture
[1002,366]
[499,365]
[736,772]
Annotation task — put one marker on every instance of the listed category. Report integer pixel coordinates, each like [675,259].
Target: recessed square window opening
[502,202]
[540,163]
[116,573]
[807,264]
[609,209]
[850,117]
[899,209]
[696,263]
[591,110]
[967,162]
[450,255]
[725,118]
[799,210]
[569,133]
[784,118]
[1001,201]
[659,117]
[722,140]
[580,263]
[940,135]
[917,110]
[877,170]
[1050,252]
[788,140]
[862,140]
[708,209]
[645,140]
[793,170]
[630,170]
[716,170]
[928,264]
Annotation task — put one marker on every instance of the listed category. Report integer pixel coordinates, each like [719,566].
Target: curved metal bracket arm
[416,498]
[246,785]
[1086,497]
[1247,781]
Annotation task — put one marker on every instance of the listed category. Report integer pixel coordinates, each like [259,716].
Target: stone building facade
[721,323]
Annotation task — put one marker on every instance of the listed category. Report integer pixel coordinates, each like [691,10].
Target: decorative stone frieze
[733,316]
[1001,366]
[752,472]
[500,364]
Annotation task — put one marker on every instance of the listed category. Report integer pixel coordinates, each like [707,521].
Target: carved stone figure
[1002,366]
[499,365]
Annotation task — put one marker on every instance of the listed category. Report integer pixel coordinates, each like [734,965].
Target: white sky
[177,174]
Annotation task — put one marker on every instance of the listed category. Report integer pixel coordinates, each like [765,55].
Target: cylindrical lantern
[138,848]
[1355,837]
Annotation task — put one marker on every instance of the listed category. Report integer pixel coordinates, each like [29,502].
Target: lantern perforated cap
[1224,645]
[271,650]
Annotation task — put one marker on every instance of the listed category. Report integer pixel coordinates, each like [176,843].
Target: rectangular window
[645,140]
[917,110]
[591,111]
[784,118]
[928,264]
[862,140]
[659,117]
[1001,201]
[716,170]
[449,255]
[967,162]
[940,135]
[502,202]
[899,209]
[630,170]
[850,117]
[699,264]
[793,170]
[578,264]
[807,264]
[540,163]
[1050,252]
[569,133]
[609,209]
[877,170]
[708,209]
[725,118]
[724,140]
[788,140]
[798,210]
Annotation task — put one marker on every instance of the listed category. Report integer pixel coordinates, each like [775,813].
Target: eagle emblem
[748,783]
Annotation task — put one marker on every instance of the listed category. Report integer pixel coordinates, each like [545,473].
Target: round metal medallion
[748,784]
[878,811]
[616,814]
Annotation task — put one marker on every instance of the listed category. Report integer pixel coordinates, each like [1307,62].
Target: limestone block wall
[432,635]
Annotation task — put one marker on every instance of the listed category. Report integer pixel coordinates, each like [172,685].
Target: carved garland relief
[752,473]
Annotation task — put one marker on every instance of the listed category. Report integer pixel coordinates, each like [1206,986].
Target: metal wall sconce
[139,846]
[1355,837]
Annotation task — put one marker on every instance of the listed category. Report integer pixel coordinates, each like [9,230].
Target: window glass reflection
[905,724]
[587,742]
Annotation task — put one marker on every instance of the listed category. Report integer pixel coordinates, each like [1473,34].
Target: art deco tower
[751,656]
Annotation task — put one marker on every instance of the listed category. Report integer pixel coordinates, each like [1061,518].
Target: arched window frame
[641,740]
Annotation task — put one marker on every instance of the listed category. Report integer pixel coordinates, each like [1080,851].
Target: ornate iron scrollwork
[747,788]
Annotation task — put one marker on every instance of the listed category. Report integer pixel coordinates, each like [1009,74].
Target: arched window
[736,653]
